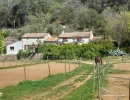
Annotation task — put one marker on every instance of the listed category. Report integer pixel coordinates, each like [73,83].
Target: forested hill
[51,15]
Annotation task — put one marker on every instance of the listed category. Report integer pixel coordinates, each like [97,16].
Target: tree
[118,28]
[2,34]
[125,17]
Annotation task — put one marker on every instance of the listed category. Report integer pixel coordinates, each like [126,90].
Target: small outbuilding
[14,48]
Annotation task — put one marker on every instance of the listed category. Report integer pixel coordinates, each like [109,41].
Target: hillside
[77,15]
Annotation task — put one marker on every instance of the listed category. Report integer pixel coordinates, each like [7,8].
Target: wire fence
[38,70]
[99,72]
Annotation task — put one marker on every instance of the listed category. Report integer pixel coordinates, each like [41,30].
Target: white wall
[31,41]
[91,35]
[85,40]
[17,46]
[69,39]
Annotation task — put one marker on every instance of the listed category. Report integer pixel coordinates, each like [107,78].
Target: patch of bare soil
[34,72]
[13,63]
[118,89]
[61,89]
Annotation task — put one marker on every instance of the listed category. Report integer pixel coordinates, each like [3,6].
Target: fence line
[101,73]
[117,77]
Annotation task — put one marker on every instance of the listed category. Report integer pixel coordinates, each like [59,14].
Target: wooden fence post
[49,66]
[3,61]
[79,62]
[108,64]
[93,77]
[129,87]
[10,62]
[74,63]
[3,64]
[98,71]
[65,66]
[122,59]
[24,73]
[69,66]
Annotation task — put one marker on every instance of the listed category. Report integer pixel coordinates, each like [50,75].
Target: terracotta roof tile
[95,39]
[30,35]
[75,34]
[53,39]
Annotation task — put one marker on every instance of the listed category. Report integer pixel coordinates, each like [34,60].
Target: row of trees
[70,51]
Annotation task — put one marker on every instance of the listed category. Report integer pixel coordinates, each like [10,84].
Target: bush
[117,52]
[75,51]
[19,55]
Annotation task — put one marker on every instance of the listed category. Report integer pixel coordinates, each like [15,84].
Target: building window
[11,48]
[65,40]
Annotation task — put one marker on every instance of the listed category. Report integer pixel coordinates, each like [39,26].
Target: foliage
[105,46]
[24,54]
[118,28]
[19,54]
[54,29]
[117,52]
[49,51]
[106,17]
[90,50]
[71,51]
[2,34]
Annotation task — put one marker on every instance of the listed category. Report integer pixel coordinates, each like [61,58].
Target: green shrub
[75,51]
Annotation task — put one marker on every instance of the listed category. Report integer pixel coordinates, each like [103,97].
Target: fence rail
[100,73]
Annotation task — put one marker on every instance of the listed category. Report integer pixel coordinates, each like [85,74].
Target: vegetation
[70,51]
[2,34]
[117,52]
[85,92]
[109,18]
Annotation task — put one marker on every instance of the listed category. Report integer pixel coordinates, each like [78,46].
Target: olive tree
[2,34]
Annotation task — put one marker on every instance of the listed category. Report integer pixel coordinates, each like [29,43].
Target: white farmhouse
[14,47]
[78,37]
[30,39]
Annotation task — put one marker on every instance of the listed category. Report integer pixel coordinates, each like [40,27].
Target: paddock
[34,72]
[118,84]
[118,89]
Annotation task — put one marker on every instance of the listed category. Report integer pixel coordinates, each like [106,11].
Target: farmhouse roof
[53,39]
[75,34]
[34,35]
[95,39]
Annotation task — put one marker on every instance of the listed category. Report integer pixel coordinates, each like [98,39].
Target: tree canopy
[109,18]
[2,34]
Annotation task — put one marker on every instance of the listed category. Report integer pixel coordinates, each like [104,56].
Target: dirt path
[61,89]
[118,89]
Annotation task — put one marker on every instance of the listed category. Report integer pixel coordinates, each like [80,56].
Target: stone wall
[7,57]
[37,56]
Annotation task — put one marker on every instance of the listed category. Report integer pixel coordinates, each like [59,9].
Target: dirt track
[118,88]
[34,72]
